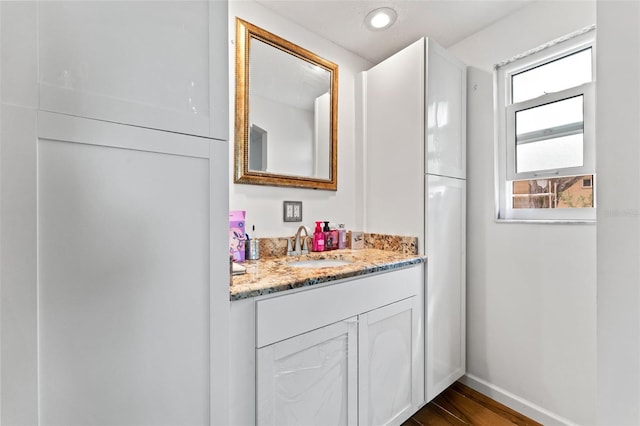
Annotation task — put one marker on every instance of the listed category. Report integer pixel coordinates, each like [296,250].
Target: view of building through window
[552,193]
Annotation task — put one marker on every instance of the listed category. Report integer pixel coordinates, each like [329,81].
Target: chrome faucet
[299,245]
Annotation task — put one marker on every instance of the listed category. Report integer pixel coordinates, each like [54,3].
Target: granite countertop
[272,275]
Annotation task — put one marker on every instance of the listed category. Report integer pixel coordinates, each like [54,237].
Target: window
[545,128]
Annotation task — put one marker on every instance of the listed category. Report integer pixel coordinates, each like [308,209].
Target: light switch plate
[292,211]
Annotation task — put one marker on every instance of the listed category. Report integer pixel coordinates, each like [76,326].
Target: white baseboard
[514,402]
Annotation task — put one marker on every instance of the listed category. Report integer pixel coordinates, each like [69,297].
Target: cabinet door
[446,223]
[446,113]
[156,64]
[391,372]
[310,379]
[126,297]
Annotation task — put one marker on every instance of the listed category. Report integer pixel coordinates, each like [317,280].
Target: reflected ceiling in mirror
[286,112]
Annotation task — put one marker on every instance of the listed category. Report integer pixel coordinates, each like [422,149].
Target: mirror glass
[286,101]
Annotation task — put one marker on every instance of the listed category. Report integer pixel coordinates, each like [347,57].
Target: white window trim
[504,151]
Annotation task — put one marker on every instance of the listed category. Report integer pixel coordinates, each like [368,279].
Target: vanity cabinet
[348,353]
[155,64]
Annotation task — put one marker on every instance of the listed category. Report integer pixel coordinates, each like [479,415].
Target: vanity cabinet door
[391,366]
[310,379]
[155,64]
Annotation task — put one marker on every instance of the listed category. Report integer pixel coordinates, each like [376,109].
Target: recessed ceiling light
[380,19]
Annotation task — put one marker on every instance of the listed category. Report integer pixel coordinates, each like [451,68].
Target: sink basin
[319,263]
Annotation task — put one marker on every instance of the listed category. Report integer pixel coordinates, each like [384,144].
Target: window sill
[550,221]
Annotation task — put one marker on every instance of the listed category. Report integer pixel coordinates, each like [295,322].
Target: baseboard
[514,402]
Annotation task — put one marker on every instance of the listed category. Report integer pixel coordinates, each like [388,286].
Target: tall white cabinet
[414,116]
[114,189]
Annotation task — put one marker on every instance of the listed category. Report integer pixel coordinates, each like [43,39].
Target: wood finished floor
[461,405]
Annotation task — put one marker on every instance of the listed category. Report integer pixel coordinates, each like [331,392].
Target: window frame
[504,121]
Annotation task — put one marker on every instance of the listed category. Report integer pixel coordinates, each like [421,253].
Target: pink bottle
[318,238]
[335,238]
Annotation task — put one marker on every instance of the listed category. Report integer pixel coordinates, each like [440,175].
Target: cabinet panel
[310,379]
[145,63]
[394,144]
[18,267]
[445,282]
[124,300]
[446,114]
[18,50]
[391,371]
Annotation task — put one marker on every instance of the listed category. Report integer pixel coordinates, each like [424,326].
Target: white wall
[531,288]
[618,247]
[264,203]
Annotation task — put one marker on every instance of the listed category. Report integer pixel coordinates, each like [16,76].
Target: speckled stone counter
[277,247]
[273,275]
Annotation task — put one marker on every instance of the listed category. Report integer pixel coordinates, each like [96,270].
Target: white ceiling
[342,21]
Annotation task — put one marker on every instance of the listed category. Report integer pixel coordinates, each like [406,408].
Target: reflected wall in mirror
[286,113]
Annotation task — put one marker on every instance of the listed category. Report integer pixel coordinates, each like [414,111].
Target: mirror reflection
[285,112]
[289,114]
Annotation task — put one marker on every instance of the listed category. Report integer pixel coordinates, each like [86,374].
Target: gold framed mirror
[286,122]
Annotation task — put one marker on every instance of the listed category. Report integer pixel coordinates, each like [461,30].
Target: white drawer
[288,315]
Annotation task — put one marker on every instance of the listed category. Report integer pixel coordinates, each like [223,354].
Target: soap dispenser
[318,238]
[329,243]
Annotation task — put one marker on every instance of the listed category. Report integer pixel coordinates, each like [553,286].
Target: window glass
[550,136]
[568,71]
[549,119]
[550,154]
[562,192]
